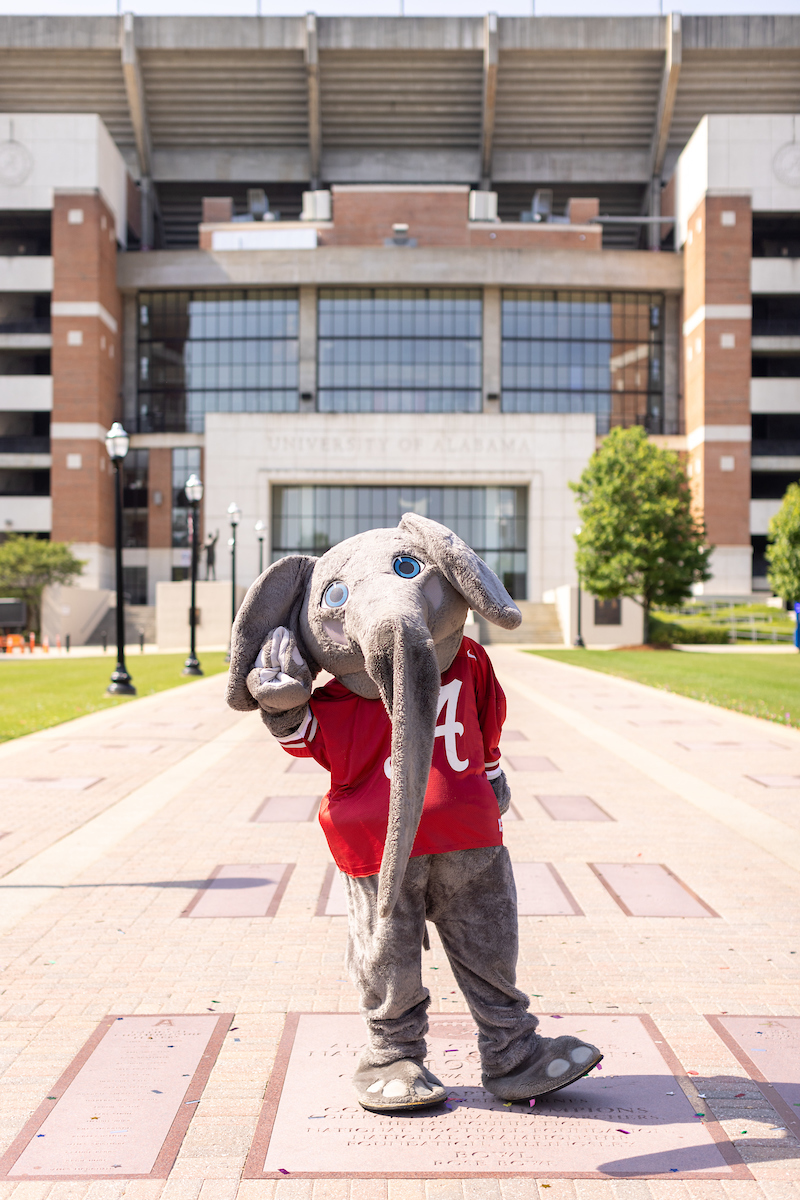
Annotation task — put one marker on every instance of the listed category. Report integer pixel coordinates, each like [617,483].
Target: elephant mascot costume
[414,814]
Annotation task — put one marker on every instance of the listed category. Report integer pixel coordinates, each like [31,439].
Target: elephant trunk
[403,665]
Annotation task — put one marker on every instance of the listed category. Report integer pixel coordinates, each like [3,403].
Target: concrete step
[539,624]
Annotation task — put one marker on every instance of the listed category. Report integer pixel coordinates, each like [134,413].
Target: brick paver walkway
[97,874]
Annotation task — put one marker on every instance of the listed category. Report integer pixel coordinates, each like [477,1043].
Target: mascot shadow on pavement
[414,814]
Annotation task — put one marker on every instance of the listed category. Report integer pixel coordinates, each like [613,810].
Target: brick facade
[86,362]
[159,516]
[436,216]
[716,360]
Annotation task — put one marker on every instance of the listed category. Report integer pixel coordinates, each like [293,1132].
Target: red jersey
[352,738]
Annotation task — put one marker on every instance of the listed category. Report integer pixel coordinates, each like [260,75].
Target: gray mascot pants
[469,895]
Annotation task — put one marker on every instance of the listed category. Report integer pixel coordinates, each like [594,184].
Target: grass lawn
[763,685]
[40,693]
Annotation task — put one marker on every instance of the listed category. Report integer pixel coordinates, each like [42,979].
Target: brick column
[159,517]
[86,316]
[716,348]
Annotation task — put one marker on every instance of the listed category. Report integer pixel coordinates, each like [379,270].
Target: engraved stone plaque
[158,727]
[643,722]
[115,748]
[630,1119]
[769,1050]
[307,766]
[67,783]
[650,890]
[332,900]
[776,781]
[541,892]
[531,763]
[123,1106]
[287,808]
[573,808]
[241,891]
[751,747]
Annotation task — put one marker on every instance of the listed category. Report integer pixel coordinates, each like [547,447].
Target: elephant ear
[463,569]
[275,598]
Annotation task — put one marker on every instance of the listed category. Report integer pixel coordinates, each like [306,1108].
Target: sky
[429,8]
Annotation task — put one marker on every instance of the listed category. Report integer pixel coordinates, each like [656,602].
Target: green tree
[638,536]
[28,565]
[783,548]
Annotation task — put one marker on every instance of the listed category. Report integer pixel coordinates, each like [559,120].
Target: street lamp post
[579,642]
[117,443]
[234,516]
[194,494]
[260,530]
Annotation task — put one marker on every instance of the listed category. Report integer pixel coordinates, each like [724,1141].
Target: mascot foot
[553,1064]
[401,1085]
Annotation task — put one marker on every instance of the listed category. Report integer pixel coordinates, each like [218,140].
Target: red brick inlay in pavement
[650,890]
[531,763]
[123,1105]
[630,1119]
[287,808]
[513,735]
[769,1050]
[573,808]
[241,891]
[541,892]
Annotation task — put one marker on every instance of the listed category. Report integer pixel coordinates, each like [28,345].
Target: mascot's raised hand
[280,682]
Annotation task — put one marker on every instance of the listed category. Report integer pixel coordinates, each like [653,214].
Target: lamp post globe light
[260,530]
[579,642]
[117,444]
[234,516]
[194,494]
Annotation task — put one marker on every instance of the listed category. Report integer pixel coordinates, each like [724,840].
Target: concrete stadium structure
[346,266]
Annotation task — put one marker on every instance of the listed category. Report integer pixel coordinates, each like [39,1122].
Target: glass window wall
[215,351]
[184,462]
[399,350]
[585,352]
[493,520]
[135,470]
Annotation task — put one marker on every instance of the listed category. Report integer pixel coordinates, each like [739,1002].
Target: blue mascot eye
[336,595]
[406,567]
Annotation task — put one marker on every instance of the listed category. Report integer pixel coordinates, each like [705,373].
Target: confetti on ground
[623,1131]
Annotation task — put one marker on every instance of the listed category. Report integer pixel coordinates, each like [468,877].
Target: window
[608,612]
[771,485]
[134,583]
[184,462]
[585,352]
[776,316]
[399,350]
[225,351]
[135,468]
[23,482]
[309,520]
